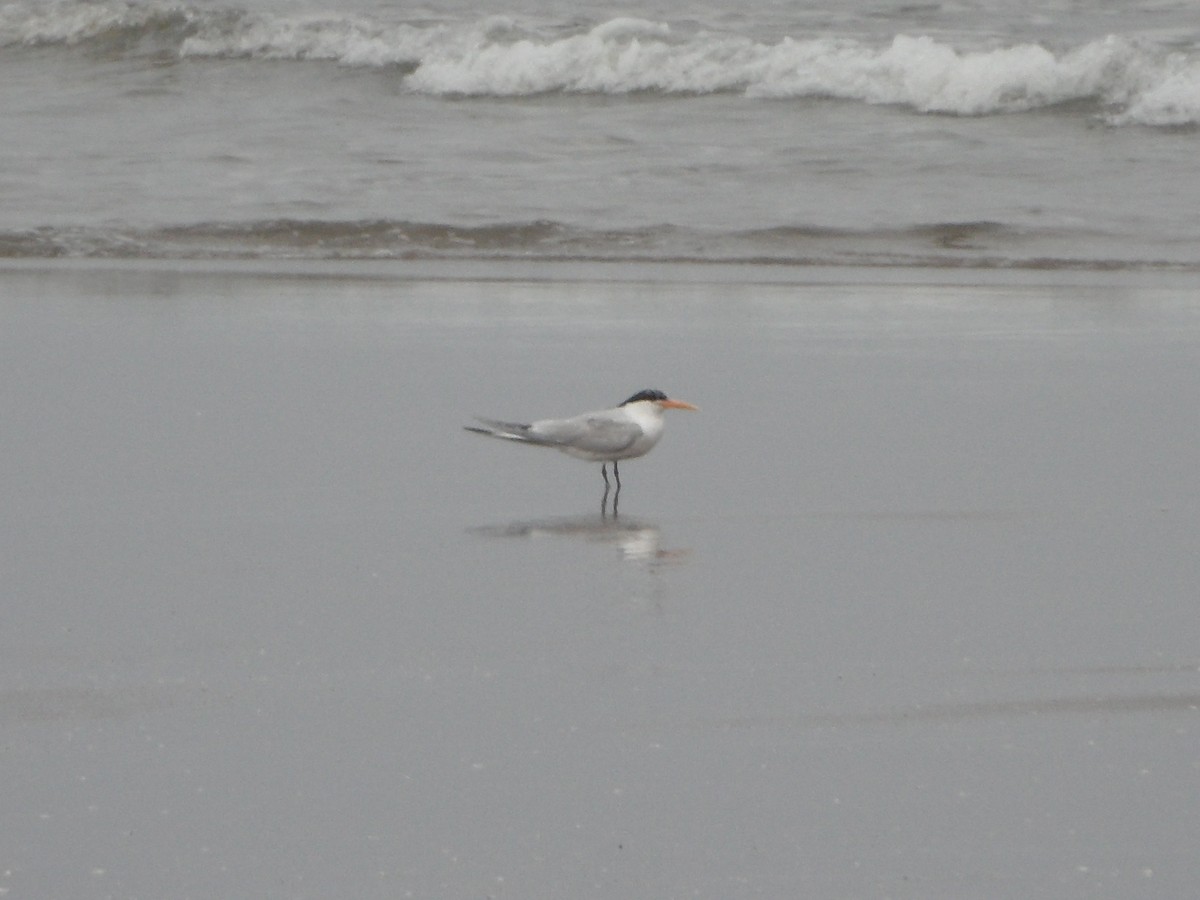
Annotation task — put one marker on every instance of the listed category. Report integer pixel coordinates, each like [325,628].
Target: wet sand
[908,610]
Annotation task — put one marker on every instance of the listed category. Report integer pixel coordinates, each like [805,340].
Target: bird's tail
[509,431]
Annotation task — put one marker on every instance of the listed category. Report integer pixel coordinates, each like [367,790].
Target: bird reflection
[637,541]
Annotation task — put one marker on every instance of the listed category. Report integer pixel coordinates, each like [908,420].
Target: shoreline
[617,272]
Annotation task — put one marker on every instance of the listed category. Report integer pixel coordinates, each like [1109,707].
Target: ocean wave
[1128,80]
[965,245]
[122,25]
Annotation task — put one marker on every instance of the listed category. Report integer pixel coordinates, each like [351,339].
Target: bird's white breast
[644,419]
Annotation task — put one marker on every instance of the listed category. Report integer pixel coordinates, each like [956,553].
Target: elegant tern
[605,436]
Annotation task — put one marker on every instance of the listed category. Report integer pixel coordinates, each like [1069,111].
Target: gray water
[991,135]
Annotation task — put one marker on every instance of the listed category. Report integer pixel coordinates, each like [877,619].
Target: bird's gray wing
[510,431]
[591,433]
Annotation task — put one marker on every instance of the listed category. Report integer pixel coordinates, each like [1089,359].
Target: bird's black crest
[646,395]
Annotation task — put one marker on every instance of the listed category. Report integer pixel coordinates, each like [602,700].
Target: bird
[606,436]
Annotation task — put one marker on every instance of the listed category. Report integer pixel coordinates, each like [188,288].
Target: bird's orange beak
[679,404]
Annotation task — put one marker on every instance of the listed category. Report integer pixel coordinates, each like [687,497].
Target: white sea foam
[919,72]
[347,40]
[932,77]
[1172,98]
[74,23]
[1130,80]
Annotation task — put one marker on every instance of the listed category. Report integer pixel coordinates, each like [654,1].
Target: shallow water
[907,610]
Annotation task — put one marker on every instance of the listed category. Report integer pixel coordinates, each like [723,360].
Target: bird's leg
[617,495]
[604,499]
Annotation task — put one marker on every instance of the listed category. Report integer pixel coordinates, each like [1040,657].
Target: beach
[906,610]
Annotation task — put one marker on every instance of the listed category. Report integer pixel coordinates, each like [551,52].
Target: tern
[605,436]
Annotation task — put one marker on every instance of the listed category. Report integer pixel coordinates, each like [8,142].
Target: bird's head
[659,399]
